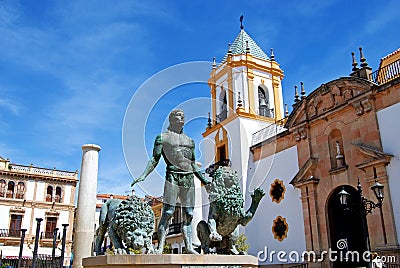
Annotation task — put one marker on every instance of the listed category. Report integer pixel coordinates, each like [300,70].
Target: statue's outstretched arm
[151,165]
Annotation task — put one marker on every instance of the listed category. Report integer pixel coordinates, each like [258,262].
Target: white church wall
[282,166]
[247,128]
[391,144]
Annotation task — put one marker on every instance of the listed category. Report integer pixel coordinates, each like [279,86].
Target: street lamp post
[53,253]
[35,249]
[64,239]
[367,205]
[21,247]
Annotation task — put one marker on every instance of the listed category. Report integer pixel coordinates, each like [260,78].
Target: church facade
[317,164]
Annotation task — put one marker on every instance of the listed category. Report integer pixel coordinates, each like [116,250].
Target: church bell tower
[246,96]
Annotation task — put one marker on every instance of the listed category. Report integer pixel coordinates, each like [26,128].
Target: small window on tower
[263,101]
[223,102]
[221,153]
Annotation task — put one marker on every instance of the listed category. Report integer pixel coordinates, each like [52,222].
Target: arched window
[3,188]
[49,194]
[223,102]
[20,190]
[58,194]
[263,101]
[10,189]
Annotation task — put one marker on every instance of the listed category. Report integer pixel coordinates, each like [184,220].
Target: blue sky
[69,69]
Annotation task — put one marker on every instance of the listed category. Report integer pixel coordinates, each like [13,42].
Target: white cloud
[10,105]
[380,20]
[9,12]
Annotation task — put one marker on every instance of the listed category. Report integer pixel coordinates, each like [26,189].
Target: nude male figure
[177,150]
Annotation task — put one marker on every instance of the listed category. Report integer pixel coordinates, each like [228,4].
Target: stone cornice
[38,177]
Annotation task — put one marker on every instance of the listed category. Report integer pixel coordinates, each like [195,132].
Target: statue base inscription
[171,260]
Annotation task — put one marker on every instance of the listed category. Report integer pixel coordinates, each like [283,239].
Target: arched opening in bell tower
[263,101]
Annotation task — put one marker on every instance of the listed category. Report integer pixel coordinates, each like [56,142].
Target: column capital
[90,147]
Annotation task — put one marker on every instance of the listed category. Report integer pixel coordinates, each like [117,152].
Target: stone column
[86,209]
[198,209]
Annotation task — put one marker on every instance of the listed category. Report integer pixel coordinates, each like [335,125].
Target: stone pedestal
[171,261]
[86,208]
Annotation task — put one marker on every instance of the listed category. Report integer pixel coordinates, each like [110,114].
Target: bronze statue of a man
[177,150]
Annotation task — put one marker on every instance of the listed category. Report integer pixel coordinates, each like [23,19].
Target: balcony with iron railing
[268,132]
[10,237]
[10,232]
[386,73]
[48,235]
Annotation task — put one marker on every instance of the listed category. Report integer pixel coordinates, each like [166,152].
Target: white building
[27,193]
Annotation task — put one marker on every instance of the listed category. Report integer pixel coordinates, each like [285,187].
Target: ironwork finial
[241,22]
[272,54]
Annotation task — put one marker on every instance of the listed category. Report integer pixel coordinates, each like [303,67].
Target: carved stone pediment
[372,156]
[330,96]
[305,174]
